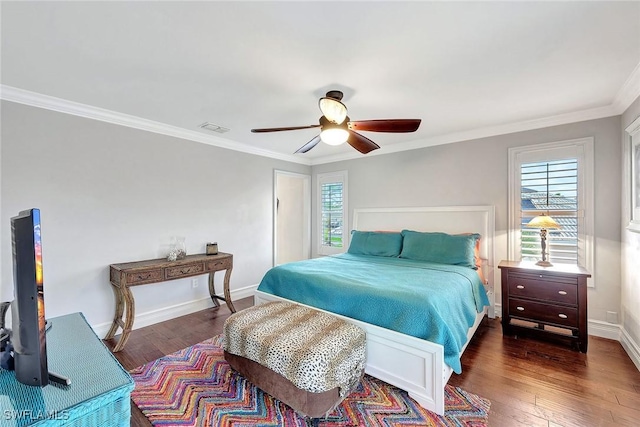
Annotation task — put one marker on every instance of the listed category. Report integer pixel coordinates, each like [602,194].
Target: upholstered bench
[307,359]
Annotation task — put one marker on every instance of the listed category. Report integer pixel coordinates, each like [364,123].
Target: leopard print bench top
[316,351]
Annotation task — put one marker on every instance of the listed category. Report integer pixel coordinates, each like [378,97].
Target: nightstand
[547,302]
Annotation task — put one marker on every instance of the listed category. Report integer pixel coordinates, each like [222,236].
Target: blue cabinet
[99,393]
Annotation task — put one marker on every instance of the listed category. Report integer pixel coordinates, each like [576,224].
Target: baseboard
[602,329]
[596,327]
[171,312]
[631,347]
[498,310]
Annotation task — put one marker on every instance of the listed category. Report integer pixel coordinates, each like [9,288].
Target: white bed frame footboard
[412,364]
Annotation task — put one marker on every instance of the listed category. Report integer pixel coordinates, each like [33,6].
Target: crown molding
[627,94]
[21,96]
[562,119]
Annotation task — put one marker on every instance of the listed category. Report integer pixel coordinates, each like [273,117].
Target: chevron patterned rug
[196,387]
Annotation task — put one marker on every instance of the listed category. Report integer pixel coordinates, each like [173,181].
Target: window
[550,188]
[332,192]
[555,179]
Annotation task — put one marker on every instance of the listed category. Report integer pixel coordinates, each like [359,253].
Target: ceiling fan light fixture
[334,110]
[337,128]
[334,136]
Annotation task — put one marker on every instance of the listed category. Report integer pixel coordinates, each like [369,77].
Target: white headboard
[447,219]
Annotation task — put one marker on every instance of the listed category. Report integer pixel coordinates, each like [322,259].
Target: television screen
[28,318]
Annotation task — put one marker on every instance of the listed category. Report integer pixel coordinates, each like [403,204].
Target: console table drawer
[183,271]
[147,276]
[539,312]
[219,264]
[525,286]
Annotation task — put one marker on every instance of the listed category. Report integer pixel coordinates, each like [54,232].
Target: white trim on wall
[598,328]
[168,313]
[38,100]
[611,331]
[627,94]
[631,347]
[632,222]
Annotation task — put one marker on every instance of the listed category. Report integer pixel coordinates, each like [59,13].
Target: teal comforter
[434,302]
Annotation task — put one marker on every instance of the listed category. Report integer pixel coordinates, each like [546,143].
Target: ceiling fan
[337,128]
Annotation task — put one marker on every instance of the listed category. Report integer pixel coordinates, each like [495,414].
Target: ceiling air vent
[214,128]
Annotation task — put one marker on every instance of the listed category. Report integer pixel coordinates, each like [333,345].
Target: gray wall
[111,194]
[114,194]
[475,173]
[630,240]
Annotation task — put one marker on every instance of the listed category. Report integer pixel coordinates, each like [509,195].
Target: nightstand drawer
[545,276]
[526,286]
[535,311]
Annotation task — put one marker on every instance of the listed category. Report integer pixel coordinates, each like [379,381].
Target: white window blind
[550,188]
[332,216]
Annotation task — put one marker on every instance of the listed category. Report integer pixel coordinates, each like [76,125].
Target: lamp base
[544,263]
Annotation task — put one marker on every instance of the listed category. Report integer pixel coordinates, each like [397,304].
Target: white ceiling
[467,69]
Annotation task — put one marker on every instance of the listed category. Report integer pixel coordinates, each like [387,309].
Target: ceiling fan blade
[361,143]
[386,125]
[309,145]
[281,129]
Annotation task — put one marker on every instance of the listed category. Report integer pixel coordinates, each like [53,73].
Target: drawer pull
[562,316]
[520,308]
[141,277]
[562,292]
[186,271]
[520,287]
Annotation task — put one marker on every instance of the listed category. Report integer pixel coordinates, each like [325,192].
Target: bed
[416,355]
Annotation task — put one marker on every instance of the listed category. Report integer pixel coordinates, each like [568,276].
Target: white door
[292,217]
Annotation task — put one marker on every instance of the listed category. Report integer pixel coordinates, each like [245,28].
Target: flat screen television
[27,308]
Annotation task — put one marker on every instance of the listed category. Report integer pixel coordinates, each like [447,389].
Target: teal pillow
[375,243]
[442,248]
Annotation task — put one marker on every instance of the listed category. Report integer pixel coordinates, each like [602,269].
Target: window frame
[581,149]
[326,178]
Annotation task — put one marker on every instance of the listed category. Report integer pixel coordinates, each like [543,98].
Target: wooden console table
[128,274]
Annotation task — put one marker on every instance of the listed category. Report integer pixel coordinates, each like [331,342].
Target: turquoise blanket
[435,302]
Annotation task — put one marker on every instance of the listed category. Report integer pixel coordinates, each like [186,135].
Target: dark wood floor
[529,382]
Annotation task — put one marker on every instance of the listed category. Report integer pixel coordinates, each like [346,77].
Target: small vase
[178,249]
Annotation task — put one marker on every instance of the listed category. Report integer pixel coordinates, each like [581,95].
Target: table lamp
[543,222]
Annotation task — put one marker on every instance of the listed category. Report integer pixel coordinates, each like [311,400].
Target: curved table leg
[212,289]
[117,317]
[130,310]
[124,305]
[227,293]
